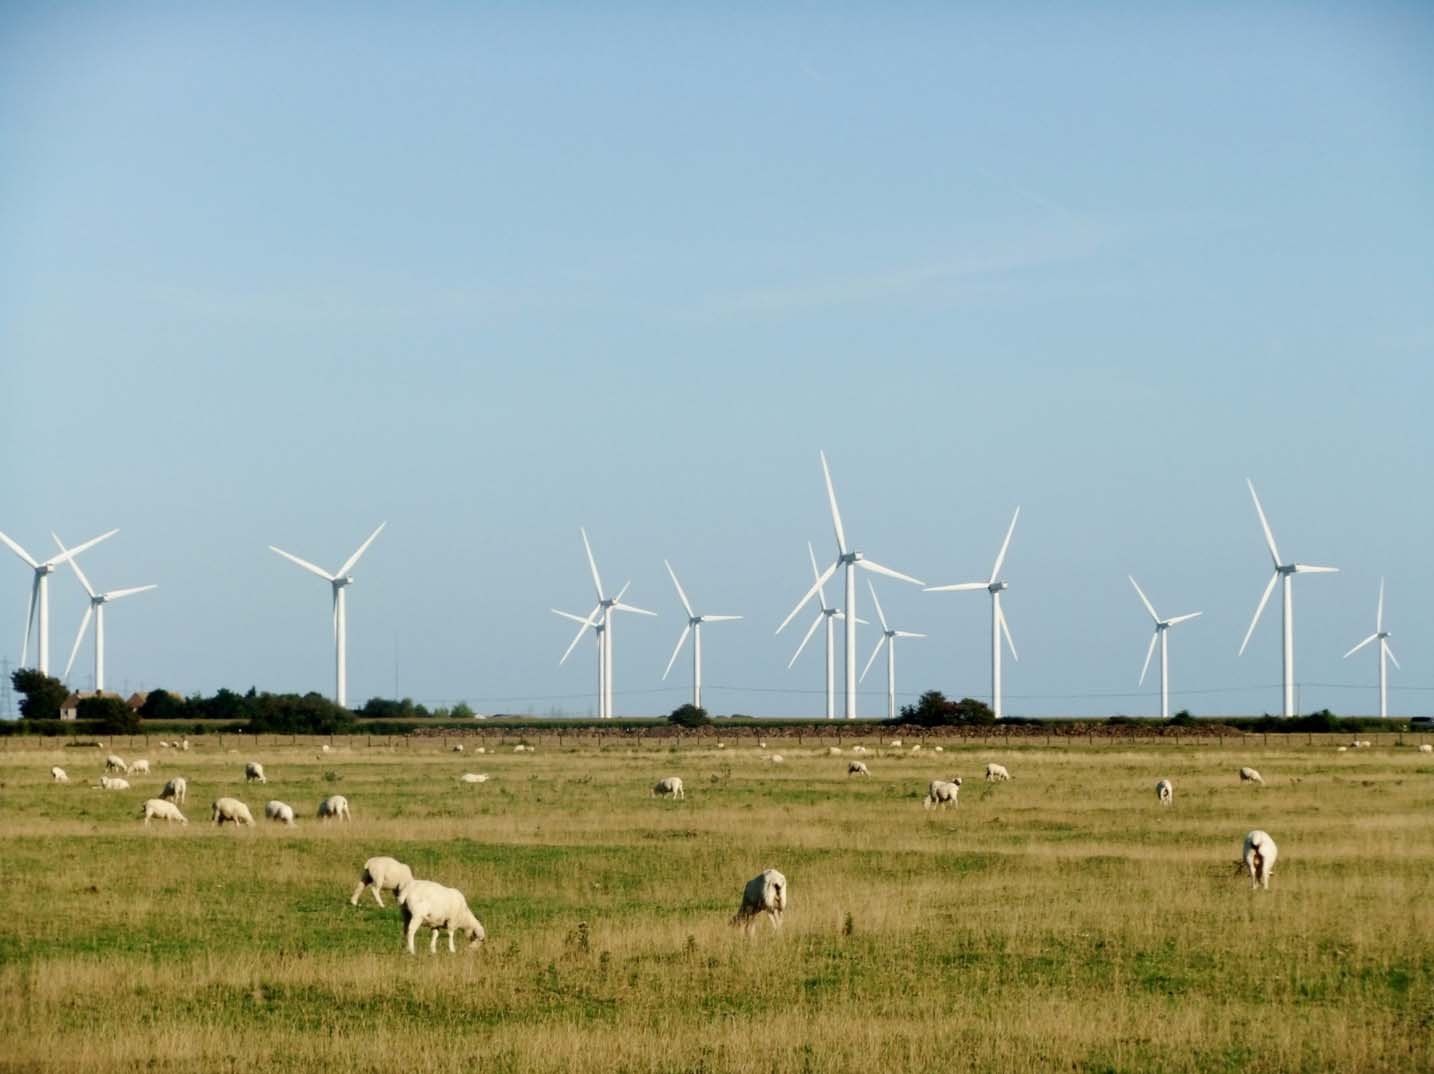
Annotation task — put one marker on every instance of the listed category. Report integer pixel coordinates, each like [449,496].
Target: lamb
[254,773]
[139,767]
[1426,748]
[279,812]
[166,811]
[669,787]
[1165,792]
[425,904]
[335,805]
[1260,854]
[231,810]
[1249,775]
[996,773]
[59,775]
[382,874]
[115,763]
[176,789]
[857,768]
[473,777]
[766,893]
[942,792]
[115,784]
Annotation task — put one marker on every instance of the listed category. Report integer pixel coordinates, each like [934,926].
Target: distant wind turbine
[40,595]
[1162,628]
[97,610]
[826,615]
[693,627]
[1382,636]
[888,639]
[339,580]
[1284,572]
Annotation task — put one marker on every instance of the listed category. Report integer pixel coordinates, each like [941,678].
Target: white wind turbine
[594,619]
[339,580]
[849,558]
[993,585]
[824,615]
[888,638]
[1162,628]
[1283,572]
[693,627]
[95,610]
[40,595]
[1382,636]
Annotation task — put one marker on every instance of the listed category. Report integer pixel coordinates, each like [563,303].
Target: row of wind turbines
[600,619]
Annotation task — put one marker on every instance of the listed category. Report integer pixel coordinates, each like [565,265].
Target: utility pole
[7,698]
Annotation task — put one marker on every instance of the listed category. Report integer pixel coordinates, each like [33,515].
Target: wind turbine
[601,618]
[339,580]
[1382,636]
[1162,627]
[993,585]
[693,627]
[1283,572]
[827,615]
[849,558]
[40,594]
[888,638]
[97,610]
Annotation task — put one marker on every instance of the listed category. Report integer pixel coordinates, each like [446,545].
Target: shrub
[689,715]
[933,709]
[111,715]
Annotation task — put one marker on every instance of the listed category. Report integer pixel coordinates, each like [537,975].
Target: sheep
[139,767]
[762,745]
[473,777]
[326,748]
[479,749]
[766,893]
[895,743]
[425,904]
[1342,749]
[996,773]
[279,812]
[184,743]
[671,787]
[176,789]
[59,775]
[858,749]
[1364,744]
[166,811]
[115,784]
[1260,853]
[164,744]
[335,805]
[1426,748]
[1165,792]
[457,747]
[916,747]
[254,773]
[231,810]
[777,758]
[939,749]
[942,792]
[857,768]
[833,751]
[1249,775]
[382,874]
[115,763]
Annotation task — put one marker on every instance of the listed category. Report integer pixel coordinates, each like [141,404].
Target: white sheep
[425,904]
[762,745]
[165,745]
[777,758]
[326,748]
[334,806]
[939,749]
[166,811]
[1426,748]
[382,874]
[184,743]
[942,792]
[279,812]
[996,773]
[1260,853]
[1165,792]
[896,743]
[766,893]
[254,773]
[176,789]
[231,810]
[479,749]
[473,777]
[833,751]
[59,775]
[457,747]
[1364,744]
[858,749]
[1342,749]
[670,787]
[916,748]
[139,767]
[115,763]
[857,768]
[118,783]
[1249,775]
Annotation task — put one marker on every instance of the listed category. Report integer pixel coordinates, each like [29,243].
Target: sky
[274,274]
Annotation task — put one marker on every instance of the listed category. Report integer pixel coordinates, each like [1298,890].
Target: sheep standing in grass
[942,792]
[473,777]
[1165,792]
[765,893]
[184,743]
[232,811]
[382,874]
[254,773]
[857,768]
[117,783]
[1249,775]
[279,812]
[334,806]
[166,811]
[59,775]
[139,767]
[833,751]
[425,904]
[671,787]
[996,773]
[1426,748]
[458,747]
[115,763]
[1260,853]
[176,789]
[777,758]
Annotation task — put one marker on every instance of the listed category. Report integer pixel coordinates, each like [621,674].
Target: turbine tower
[1382,636]
[1162,628]
[40,595]
[339,580]
[95,610]
[849,558]
[827,615]
[993,585]
[693,627]
[1284,572]
[888,638]
[601,616]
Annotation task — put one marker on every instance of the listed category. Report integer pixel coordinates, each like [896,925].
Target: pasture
[1062,921]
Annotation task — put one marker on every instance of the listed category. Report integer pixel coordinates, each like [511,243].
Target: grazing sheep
[382,874]
[721,745]
[59,775]
[777,758]
[671,787]
[857,768]
[916,747]
[166,811]
[1342,749]
[164,745]
[939,749]
[231,810]
[116,784]
[762,745]
[996,773]
[479,749]
[1165,792]
[1249,775]
[896,743]
[1260,854]
[833,751]
[279,812]
[942,792]
[458,747]
[1364,744]
[765,893]
[176,789]
[254,773]
[858,749]
[473,777]
[335,805]
[115,763]
[326,748]
[425,904]
[139,767]
[184,743]
[1426,748]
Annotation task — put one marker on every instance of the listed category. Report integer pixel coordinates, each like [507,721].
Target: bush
[689,716]
[935,710]
[290,714]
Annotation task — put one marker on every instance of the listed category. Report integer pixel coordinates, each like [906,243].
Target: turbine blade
[809,594]
[1361,645]
[836,513]
[720,618]
[881,615]
[1149,652]
[592,563]
[872,565]
[1143,598]
[621,592]
[30,618]
[1379,611]
[1264,599]
[54,561]
[1264,523]
[115,594]
[1006,630]
[19,551]
[872,659]
[65,554]
[907,634]
[680,594]
[325,575]
[1001,555]
[579,635]
[75,648]
[621,607]
[958,587]
[569,615]
[1305,568]
[1183,618]
[1390,653]
[681,640]
[817,573]
[808,637]
[353,559]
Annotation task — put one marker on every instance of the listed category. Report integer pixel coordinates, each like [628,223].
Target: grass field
[1063,921]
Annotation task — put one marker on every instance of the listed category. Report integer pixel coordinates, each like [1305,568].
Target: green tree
[934,709]
[463,711]
[42,694]
[689,715]
[162,705]
[110,714]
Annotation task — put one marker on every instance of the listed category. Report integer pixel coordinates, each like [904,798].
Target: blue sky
[492,273]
